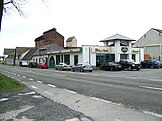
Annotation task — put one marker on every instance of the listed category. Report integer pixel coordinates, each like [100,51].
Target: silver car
[82,67]
[63,66]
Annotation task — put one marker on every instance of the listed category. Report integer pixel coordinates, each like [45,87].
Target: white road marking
[70,91]
[48,93]
[31,79]
[39,82]
[153,114]
[3,99]
[50,85]
[153,88]
[24,77]
[18,80]
[34,87]
[24,83]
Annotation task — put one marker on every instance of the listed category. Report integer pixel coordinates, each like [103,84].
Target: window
[57,59]
[67,59]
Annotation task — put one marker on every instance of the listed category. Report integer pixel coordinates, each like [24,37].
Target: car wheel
[81,70]
[90,71]
[72,70]
[152,67]
[111,69]
[129,68]
[138,69]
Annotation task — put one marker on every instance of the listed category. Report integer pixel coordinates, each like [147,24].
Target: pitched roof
[53,29]
[47,48]
[8,51]
[29,55]
[70,39]
[158,30]
[117,37]
[21,50]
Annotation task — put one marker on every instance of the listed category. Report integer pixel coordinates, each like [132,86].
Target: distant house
[152,44]
[9,54]
[49,37]
[13,56]
[19,52]
[71,42]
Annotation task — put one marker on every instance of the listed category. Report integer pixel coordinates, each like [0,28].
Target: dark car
[32,65]
[42,65]
[130,65]
[82,67]
[150,64]
[111,66]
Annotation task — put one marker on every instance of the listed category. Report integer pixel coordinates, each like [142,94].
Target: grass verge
[8,84]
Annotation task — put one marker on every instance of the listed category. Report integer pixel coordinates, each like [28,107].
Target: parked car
[82,67]
[63,66]
[111,66]
[23,64]
[42,65]
[150,64]
[32,65]
[130,65]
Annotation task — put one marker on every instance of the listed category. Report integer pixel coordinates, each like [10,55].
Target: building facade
[50,37]
[115,48]
[152,44]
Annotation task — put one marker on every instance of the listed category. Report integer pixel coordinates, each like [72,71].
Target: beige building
[71,42]
[152,44]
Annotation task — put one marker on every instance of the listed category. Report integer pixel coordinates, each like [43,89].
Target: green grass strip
[8,84]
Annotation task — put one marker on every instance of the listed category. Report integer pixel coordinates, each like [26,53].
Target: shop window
[123,56]
[75,59]
[67,59]
[57,59]
[134,57]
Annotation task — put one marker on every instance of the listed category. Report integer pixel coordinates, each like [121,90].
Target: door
[52,62]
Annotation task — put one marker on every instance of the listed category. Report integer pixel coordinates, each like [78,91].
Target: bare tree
[6,5]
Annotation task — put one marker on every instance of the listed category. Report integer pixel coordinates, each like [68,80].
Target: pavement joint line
[34,87]
[70,91]
[48,93]
[153,88]
[50,85]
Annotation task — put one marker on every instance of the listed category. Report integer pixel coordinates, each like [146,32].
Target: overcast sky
[88,20]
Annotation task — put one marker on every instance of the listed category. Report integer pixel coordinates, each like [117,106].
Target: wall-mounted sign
[124,49]
[100,50]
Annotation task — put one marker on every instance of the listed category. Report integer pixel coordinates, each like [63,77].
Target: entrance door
[52,62]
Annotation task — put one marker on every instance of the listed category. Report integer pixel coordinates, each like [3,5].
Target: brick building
[49,37]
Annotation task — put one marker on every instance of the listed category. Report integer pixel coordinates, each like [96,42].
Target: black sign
[124,49]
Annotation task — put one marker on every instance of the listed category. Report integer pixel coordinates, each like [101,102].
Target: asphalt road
[139,90]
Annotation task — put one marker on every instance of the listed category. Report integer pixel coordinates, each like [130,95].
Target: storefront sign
[101,50]
[124,49]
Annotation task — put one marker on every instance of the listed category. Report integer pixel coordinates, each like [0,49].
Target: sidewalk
[27,105]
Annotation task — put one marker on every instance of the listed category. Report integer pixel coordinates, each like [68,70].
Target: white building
[115,48]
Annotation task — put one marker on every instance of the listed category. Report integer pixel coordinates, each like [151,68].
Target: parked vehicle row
[111,66]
